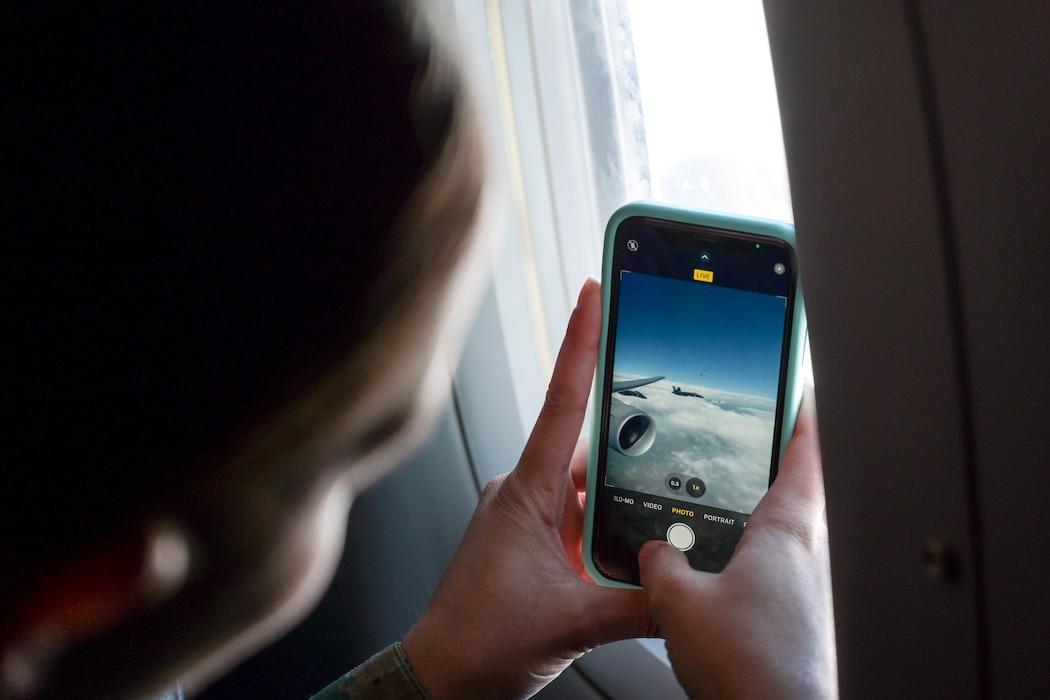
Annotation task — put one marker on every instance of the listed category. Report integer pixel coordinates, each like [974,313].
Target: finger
[659,562]
[800,469]
[571,525]
[557,429]
[797,495]
[668,581]
[578,464]
[807,412]
[666,575]
[572,510]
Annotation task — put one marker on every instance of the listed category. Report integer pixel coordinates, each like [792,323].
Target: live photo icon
[703,275]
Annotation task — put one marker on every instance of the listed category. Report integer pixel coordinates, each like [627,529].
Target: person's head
[228,232]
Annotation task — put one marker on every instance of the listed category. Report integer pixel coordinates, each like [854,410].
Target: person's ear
[100,587]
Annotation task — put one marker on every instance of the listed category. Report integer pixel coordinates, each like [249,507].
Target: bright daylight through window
[709,106]
[591,104]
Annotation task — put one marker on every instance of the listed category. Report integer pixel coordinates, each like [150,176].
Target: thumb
[668,580]
[664,570]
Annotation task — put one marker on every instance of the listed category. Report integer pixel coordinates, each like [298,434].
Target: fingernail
[588,284]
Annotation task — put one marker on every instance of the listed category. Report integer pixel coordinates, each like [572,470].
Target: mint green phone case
[793,387]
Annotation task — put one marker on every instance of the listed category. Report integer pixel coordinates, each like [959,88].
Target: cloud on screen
[724,439]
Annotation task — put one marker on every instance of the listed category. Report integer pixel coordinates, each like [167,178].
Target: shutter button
[681,536]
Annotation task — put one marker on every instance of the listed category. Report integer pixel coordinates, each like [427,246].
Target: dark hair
[202,218]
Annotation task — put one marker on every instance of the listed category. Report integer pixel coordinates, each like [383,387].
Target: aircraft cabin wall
[918,144]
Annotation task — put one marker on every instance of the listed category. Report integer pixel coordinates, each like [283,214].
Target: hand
[764,626]
[513,610]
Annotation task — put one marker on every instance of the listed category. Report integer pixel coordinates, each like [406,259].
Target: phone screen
[693,387]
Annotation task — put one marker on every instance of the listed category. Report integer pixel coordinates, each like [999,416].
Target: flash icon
[632,245]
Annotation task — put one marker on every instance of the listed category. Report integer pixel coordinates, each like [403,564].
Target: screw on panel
[940,561]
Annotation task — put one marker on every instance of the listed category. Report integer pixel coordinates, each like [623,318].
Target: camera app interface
[695,379]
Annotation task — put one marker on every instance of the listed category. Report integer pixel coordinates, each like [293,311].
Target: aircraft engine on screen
[631,431]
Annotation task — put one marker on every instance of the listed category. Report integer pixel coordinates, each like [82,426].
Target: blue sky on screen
[699,334]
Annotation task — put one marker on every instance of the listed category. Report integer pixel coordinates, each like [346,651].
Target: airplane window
[709,106]
[680,105]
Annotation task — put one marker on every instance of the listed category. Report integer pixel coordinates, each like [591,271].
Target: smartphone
[698,383]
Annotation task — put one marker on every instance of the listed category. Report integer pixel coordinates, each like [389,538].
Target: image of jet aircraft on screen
[632,431]
[720,436]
